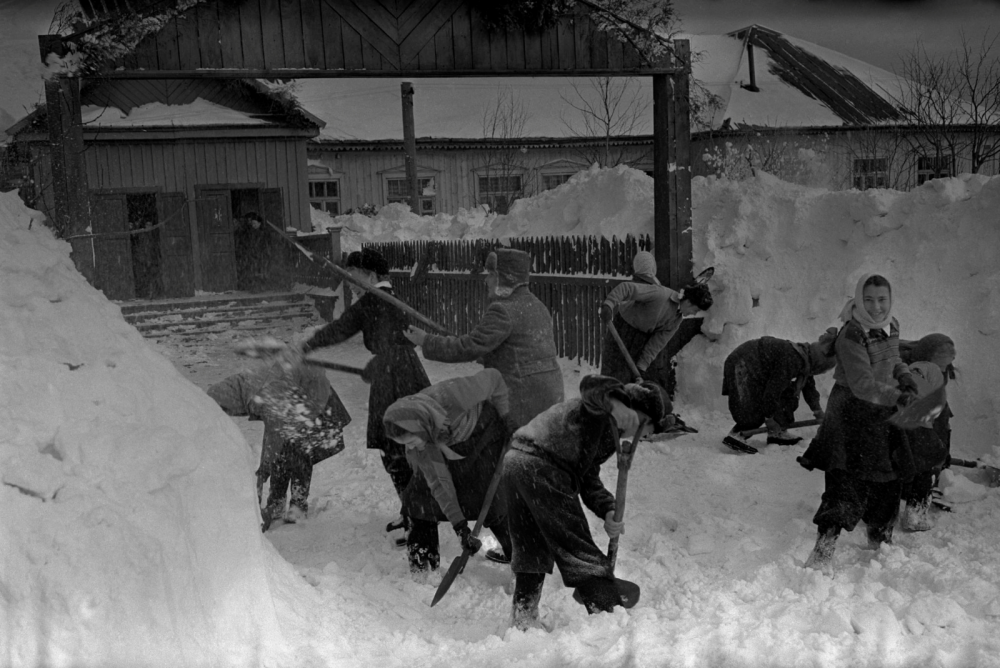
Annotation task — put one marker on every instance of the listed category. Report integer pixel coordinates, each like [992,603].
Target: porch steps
[189,319]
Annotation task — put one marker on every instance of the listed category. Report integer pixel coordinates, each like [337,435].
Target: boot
[782,437]
[403,522]
[599,595]
[737,442]
[527,594]
[422,547]
[821,558]
[917,517]
[879,535]
[500,532]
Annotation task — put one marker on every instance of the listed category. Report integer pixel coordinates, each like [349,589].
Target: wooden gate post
[69,174]
[410,146]
[672,171]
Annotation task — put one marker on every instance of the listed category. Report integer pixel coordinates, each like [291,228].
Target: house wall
[361,173]
[180,165]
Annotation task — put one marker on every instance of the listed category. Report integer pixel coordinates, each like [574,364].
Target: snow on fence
[571,275]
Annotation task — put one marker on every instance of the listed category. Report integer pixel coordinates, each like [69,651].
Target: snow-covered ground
[129,533]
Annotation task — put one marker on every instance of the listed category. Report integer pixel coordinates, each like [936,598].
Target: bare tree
[953,101]
[503,172]
[607,108]
[874,157]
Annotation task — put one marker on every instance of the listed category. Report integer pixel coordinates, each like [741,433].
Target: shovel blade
[628,592]
[457,566]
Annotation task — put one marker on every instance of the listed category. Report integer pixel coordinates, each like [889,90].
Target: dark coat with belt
[514,337]
[395,371]
[764,377]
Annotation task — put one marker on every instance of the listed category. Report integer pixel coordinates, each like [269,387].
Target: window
[325,196]
[500,191]
[397,190]
[550,181]
[871,173]
[934,167]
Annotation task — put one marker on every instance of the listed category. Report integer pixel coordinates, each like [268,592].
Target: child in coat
[554,463]
[855,445]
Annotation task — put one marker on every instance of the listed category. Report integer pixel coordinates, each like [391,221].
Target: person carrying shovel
[553,464]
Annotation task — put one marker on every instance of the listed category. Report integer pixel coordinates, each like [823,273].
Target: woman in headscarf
[855,445]
[454,433]
[931,446]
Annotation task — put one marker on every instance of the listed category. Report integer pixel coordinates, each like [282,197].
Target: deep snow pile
[127,509]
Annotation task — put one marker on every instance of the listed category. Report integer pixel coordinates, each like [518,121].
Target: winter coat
[649,308]
[855,435]
[235,395]
[395,371]
[577,436]
[763,377]
[514,337]
[476,408]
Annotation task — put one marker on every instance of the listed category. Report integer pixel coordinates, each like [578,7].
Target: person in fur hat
[454,433]
[394,371]
[553,464]
[931,446]
[647,316]
[288,468]
[514,337]
[864,456]
[764,378]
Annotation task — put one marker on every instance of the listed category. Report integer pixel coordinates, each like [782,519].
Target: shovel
[795,425]
[992,472]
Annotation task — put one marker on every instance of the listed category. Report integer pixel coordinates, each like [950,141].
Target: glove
[606,313]
[612,528]
[510,424]
[906,383]
[906,398]
[469,542]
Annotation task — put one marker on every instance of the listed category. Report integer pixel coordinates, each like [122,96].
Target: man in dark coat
[514,337]
[281,460]
[554,463]
[395,370]
[764,378]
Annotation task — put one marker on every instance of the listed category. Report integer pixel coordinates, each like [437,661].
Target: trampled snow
[128,507]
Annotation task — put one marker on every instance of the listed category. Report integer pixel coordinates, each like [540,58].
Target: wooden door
[217,256]
[280,255]
[176,257]
[112,252]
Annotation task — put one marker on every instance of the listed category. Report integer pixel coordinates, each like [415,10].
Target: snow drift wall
[787,259]
[130,534]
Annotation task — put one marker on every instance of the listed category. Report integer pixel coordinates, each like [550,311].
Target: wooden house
[175,167]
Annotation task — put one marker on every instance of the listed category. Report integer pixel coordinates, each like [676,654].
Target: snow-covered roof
[156,114]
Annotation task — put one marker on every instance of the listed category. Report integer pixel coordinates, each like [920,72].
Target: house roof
[799,84]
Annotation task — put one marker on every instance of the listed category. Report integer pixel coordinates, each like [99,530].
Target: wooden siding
[361,172]
[404,37]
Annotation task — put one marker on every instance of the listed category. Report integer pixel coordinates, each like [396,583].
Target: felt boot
[736,442]
[821,558]
[500,532]
[422,547]
[782,438]
[917,517]
[879,535]
[527,594]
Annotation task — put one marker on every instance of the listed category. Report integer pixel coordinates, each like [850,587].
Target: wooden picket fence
[570,275]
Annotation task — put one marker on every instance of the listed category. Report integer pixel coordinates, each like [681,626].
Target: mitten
[606,313]
[906,383]
[906,398]
[470,543]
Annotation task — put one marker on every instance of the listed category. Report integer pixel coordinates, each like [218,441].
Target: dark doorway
[146,259]
[252,241]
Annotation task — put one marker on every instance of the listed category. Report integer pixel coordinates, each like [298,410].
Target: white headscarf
[855,308]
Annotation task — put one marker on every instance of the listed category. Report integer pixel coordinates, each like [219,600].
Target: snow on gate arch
[127,509]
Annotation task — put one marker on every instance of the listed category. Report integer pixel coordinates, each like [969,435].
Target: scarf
[422,415]
[855,309]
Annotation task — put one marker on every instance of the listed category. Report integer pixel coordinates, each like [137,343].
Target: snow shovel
[346,275]
[920,413]
[458,564]
[992,472]
[795,425]
[627,591]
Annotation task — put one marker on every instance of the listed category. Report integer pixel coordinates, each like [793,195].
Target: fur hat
[369,260]
[699,295]
[513,267]
[644,263]
[828,340]
[649,399]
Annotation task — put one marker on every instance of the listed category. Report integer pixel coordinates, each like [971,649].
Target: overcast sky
[877,31]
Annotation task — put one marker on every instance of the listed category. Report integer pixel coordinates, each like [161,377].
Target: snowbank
[130,534]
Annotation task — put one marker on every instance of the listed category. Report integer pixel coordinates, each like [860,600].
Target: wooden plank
[333,39]
[188,46]
[381,17]
[682,157]
[176,251]
[166,47]
[582,31]
[444,54]
[371,32]
[423,32]
[616,54]
[461,30]
[533,51]
[112,254]
[230,33]
[498,50]
[206,19]
[566,39]
[370,57]
[515,49]
[412,15]
[598,46]
[480,44]
[293,33]
[312,34]
[251,35]
[352,47]
[427,58]
[272,38]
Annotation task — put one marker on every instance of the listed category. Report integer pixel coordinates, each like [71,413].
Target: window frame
[929,167]
[322,174]
[868,173]
[428,203]
[490,196]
